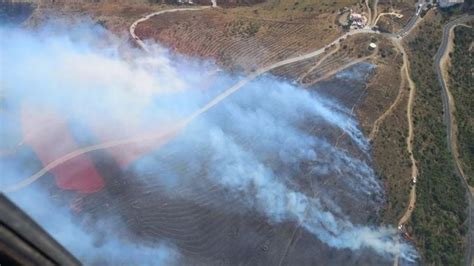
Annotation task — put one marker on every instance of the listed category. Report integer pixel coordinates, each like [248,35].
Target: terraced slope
[238,43]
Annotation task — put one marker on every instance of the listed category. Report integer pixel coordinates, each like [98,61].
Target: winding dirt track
[320,61]
[369,12]
[106,145]
[409,140]
[380,119]
[387,14]
[341,68]
[376,3]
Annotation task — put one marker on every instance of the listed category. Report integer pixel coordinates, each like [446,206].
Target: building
[448,3]
[356,17]
[181,2]
[357,21]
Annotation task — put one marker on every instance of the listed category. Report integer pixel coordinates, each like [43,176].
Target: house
[357,20]
[356,17]
[448,3]
[181,2]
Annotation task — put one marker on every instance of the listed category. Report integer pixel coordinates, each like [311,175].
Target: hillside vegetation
[437,222]
[462,88]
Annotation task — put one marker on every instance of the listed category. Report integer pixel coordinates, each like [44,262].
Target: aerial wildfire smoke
[256,143]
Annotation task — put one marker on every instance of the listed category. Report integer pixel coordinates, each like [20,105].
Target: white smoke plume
[254,143]
[92,244]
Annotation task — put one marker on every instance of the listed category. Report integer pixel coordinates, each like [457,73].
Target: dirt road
[318,63]
[387,14]
[380,119]
[106,145]
[409,140]
[341,68]
[369,12]
[405,77]
[374,15]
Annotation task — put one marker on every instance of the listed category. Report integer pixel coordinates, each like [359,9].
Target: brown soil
[386,103]
[383,87]
[238,42]
[115,15]
[393,23]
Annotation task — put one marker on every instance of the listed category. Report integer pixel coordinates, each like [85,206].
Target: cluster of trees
[440,212]
[462,88]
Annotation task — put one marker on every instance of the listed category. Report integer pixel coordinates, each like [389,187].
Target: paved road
[449,123]
[411,23]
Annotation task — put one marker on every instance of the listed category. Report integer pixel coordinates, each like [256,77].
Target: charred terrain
[246,133]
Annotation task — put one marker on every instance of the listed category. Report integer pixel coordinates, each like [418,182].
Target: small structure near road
[356,17]
[184,2]
[448,3]
[372,46]
[356,20]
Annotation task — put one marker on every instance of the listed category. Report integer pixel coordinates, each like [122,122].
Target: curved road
[449,120]
[411,23]
[405,70]
[411,134]
[147,17]
[381,118]
[386,14]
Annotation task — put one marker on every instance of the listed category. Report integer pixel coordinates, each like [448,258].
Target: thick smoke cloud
[256,143]
[96,244]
